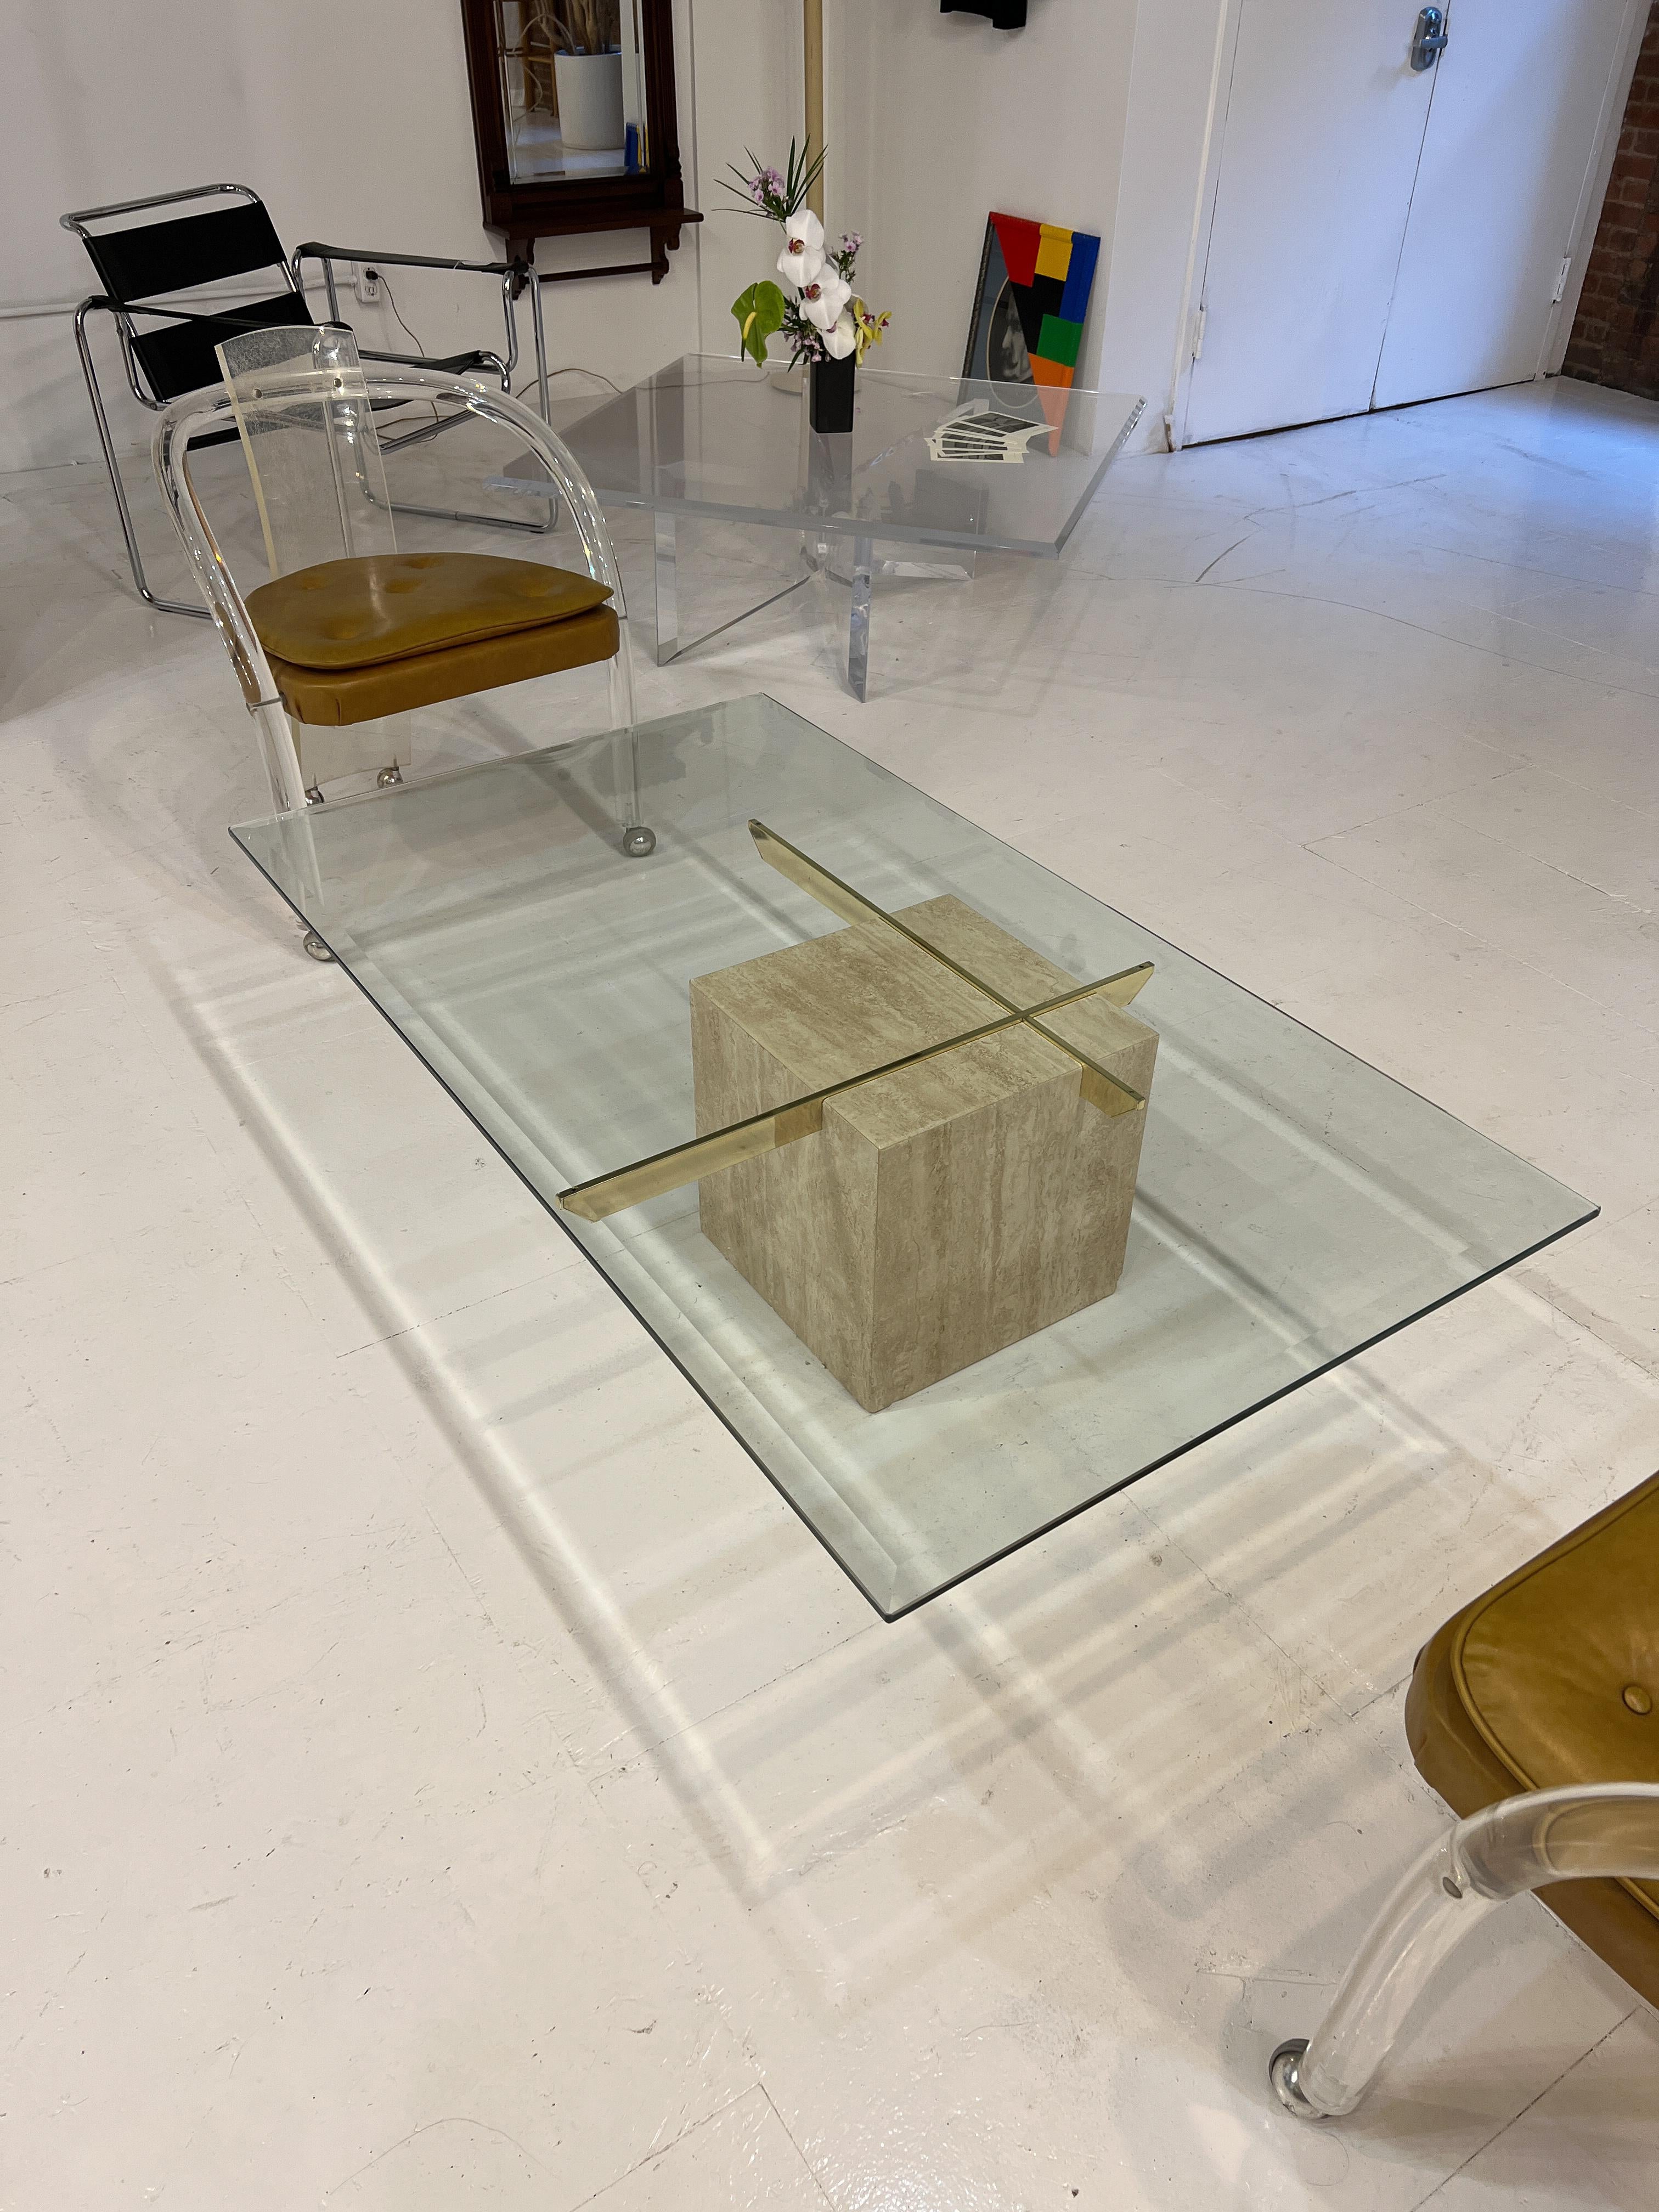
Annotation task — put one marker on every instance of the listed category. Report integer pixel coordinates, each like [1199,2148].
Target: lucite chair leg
[1607,1830]
[310,942]
[621,679]
[638,841]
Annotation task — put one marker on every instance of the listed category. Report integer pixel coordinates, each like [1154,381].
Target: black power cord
[377,277]
[420,348]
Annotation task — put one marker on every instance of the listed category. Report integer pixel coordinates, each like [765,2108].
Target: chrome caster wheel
[636,843]
[1281,2072]
[388,776]
[315,946]
[314,797]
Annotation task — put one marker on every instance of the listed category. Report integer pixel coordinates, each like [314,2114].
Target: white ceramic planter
[590,102]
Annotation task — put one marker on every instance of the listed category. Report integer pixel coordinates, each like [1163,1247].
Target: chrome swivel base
[1282,2072]
[315,946]
[637,841]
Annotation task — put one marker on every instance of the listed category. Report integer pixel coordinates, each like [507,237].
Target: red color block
[1019,241]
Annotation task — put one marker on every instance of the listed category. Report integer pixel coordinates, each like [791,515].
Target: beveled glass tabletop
[1293,1204]
[712,437]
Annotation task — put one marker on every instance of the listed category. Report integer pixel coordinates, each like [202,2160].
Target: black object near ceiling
[1004,14]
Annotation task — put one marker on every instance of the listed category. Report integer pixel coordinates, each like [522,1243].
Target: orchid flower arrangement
[825,321]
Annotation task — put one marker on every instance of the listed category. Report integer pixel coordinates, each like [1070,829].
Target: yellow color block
[1054,254]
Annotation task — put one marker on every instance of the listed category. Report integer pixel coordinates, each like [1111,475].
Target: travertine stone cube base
[945,1211]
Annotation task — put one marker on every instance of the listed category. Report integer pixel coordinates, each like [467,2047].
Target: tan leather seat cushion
[336,696]
[1553,1678]
[348,641]
[380,606]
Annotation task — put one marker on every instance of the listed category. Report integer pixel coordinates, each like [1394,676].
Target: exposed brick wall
[1615,336]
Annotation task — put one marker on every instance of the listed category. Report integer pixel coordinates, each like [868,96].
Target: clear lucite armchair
[349,636]
[1518,1845]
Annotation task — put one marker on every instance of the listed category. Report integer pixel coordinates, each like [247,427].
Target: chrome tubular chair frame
[122,311]
[515,276]
[122,316]
[201,416]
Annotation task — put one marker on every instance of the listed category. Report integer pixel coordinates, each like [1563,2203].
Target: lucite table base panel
[850,561]
[665,576]
[1294,1205]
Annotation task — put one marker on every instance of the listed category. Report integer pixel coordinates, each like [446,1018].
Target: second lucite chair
[1532,1711]
[1543,1839]
[348,632]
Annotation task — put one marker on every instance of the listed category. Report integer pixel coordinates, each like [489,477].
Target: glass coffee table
[717,438]
[837,1091]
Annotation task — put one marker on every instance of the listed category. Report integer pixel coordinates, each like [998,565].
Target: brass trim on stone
[689,1163]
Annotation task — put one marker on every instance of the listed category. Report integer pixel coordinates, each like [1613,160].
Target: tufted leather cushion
[334,697]
[348,641]
[1553,1678]
[379,606]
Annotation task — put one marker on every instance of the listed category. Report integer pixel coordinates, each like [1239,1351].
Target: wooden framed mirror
[574,117]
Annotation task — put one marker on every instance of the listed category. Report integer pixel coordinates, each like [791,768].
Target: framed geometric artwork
[1035,280]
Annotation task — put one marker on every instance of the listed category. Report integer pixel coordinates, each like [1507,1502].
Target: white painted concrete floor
[439,1772]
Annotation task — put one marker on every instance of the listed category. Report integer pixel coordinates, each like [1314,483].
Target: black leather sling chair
[147,267]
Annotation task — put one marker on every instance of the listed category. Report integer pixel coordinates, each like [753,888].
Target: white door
[1381,233]
[1521,100]
[1324,126]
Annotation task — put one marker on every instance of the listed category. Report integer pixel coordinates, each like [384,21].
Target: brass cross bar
[804,1117]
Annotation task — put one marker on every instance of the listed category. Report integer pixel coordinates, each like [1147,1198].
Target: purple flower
[767,187]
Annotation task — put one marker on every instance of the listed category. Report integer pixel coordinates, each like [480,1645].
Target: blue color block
[1080,277]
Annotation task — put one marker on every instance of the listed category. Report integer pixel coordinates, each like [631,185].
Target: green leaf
[759,312]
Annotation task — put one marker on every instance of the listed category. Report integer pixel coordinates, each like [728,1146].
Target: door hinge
[1560,291]
[1198,320]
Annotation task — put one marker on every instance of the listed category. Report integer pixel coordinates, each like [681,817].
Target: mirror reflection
[573,88]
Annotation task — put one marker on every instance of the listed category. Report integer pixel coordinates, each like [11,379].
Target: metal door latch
[1430,41]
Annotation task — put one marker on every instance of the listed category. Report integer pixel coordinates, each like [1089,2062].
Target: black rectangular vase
[832,394]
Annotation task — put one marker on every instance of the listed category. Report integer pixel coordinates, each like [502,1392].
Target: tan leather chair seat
[1553,1678]
[351,640]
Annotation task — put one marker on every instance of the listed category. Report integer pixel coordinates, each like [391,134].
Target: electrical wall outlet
[367,281]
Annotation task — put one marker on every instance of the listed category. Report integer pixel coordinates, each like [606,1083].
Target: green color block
[1058,341]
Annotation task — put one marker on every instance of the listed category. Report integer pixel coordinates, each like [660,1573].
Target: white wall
[940,118]
[1095,116]
[1166,144]
[350,117]
[747,71]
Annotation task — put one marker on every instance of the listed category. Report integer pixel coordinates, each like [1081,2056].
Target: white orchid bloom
[842,338]
[802,257]
[824,298]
